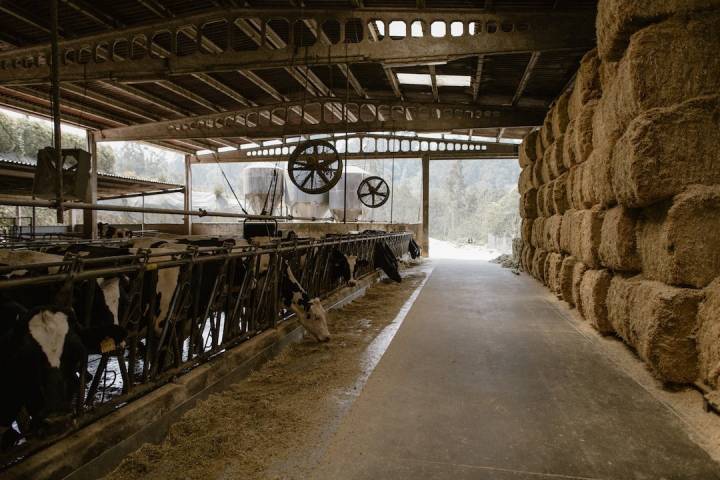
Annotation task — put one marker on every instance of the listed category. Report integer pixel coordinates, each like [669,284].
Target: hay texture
[538,264]
[546,132]
[537,168]
[587,83]
[528,204]
[557,163]
[568,152]
[617,20]
[659,321]
[554,261]
[587,239]
[665,64]
[708,335]
[552,228]
[560,117]
[527,153]
[538,232]
[593,296]
[597,188]
[583,132]
[618,250]
[568,227]
[679,243]
[559,194]
[539,147]
[526,229]
[525,181]
[579,270]
[574,187]
[565,279]
[548,205]
[666,149]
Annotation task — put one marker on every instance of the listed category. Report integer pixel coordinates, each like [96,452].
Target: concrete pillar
[187,205]
[90,216]
[425,241]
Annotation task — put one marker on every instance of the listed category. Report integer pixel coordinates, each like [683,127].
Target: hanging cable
[217,161]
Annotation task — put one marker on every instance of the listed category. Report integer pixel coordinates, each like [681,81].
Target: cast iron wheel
[315,166]
[373,192]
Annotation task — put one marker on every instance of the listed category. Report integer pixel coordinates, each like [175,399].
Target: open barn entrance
[473,208]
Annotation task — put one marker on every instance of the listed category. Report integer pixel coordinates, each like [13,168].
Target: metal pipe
[55,100]
[168,211]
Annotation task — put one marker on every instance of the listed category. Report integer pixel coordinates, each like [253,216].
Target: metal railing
[223,297]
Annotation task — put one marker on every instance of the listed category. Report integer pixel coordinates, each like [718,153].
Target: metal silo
[303,204]
[355,175]
[263,187]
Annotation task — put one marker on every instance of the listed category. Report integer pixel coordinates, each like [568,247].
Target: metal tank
[303,204]
[355,175]
[257,181]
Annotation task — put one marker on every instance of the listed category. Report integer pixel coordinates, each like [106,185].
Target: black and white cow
[41,353]
[346,266]
[385,259]
[105,230]
[310,312]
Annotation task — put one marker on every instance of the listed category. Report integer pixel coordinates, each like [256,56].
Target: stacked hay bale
[626,177]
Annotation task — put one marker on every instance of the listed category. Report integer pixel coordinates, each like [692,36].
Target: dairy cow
[346,266]
[105,230]
[310,312]
[385,259]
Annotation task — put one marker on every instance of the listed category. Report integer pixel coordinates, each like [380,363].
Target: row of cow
[48,330]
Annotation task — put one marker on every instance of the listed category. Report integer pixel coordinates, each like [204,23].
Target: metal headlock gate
[224,296]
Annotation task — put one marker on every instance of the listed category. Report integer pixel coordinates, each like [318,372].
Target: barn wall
[621,186]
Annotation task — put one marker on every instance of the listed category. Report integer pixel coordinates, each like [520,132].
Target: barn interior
[301,327]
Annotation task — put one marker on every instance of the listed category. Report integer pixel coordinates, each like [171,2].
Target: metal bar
[426,205]
[187,200]
[527,32]
[90,216]
[55,97]
[167,211]
[143,194]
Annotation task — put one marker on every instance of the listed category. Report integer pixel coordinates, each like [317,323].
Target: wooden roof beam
[525,78]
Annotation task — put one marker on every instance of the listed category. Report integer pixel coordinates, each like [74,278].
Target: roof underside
[524,79]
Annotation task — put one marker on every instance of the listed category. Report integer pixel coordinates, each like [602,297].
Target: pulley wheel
[315,166]
[373,192]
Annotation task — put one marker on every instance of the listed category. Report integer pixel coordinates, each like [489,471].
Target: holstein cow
[105,230]
[414,249]
[345,266]
[40,355]
[385,259]
[310,312]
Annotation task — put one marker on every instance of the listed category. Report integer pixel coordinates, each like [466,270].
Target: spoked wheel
[315,166]
[373,192]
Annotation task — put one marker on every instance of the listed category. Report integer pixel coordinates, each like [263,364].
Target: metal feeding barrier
[223,297]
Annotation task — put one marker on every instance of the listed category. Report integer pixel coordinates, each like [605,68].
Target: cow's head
[314,319]
[346,266]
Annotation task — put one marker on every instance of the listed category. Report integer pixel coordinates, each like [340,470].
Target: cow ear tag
[107,345]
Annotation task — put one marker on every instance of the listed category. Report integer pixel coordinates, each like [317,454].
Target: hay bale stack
[540,201]
[579,270]
[538,232]
[708,335]
[617,240]
[528,153]
[559,194]
[560,117]
[525,182]
[537,169]
[593,296]
[597,180]
[575,184]
[554,261]
[568,152]
[587,238]
[526,229]
[589,187]
[583,138]
[539,147]
[587,83]
[557,162]
[565,279]
[568,227]
[679,243]
[666,149]
[664,64]
[659,321]
[547,169]
[546,132]
[538,264]
[551,236]
[617,20]
[528,204]
[549,204]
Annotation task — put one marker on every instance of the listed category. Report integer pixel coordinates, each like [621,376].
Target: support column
[90,216]
[188,194]
[425,241]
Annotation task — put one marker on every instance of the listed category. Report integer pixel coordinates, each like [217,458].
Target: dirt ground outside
[276,423]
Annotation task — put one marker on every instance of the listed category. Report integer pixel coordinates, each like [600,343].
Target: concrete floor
[486,380]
